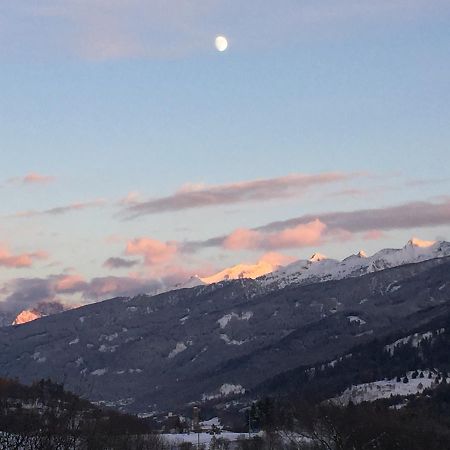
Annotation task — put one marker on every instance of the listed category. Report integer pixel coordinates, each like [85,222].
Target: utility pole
[196,423]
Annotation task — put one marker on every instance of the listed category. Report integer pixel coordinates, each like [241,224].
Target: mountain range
[213,343]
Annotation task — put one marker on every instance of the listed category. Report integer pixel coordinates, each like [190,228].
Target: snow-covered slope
[242,271]
[415,382]
[26,316]
[41,310]
[239,271]
[318,268]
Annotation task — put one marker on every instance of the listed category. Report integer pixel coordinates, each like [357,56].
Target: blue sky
[116,99]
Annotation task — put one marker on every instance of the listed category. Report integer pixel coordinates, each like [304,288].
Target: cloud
[405,216]
[309,230]
[32,178]
[26,293]
[22,293]
[68,284]
[276,259]
[119,263]
[373,235]
[19,261]
[302,235]
[242,238]
[153,251]
[200,196]
[36,178]
[61,210]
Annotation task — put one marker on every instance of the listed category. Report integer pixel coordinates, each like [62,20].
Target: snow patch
[356,319]
[38,358]
[369,392]
[225,320]
[180,347]
[414,340]
[79,361]
[109,338]
[224,391]
[230,341]
[107,348]
[99,372]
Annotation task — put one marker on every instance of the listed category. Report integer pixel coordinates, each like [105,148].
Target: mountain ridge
[213,342]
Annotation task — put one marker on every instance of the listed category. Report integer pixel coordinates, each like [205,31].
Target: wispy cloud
[32,178]
[119,263]
[201,196]
[61,210]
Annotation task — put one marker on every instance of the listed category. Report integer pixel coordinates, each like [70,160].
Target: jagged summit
[416,242]
[26,316]
[324,269]
[321,268]
[42,309]
[316,257]
[242,271]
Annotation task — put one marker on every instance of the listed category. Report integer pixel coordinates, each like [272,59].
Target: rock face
[212,342]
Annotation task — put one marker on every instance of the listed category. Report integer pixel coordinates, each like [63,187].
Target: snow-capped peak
[26,316]
[416,242]
[323,269]
[241,271]
[319,268]
[316,257]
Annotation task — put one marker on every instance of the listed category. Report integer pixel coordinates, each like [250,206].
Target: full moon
[221,43]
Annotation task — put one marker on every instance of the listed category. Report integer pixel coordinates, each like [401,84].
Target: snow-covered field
[369,392]
[203,438]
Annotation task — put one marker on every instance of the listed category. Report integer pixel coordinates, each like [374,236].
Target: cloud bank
[200,196]
[308,230]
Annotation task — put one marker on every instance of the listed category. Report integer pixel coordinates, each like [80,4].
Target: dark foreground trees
[422,423]
[45,417]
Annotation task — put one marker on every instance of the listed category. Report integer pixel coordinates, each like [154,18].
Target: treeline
[365,363]
[423,423]
[44,416]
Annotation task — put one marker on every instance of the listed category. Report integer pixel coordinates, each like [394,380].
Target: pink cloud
[69,283]
[36,178]
[373,235]
[277,259]
[302,235]
[9,260]
[153,251]
[242,238]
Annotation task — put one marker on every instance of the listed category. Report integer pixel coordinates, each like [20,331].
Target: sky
[134,154]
